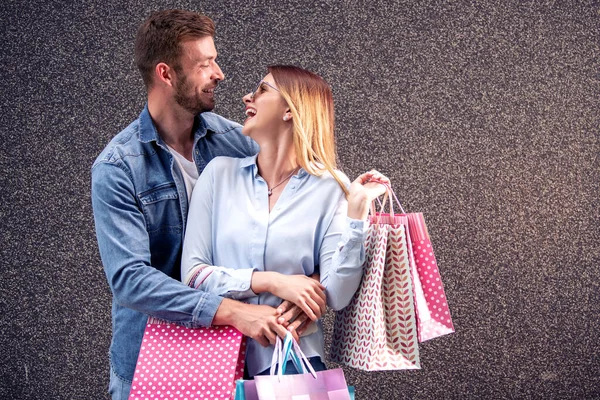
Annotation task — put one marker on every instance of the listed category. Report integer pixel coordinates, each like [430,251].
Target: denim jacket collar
[148,132]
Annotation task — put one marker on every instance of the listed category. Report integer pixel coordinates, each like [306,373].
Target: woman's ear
[287,116]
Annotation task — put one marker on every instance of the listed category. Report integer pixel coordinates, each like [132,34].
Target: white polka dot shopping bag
[433,314]
[176,362]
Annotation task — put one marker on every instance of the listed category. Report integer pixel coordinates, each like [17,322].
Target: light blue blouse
[229,226]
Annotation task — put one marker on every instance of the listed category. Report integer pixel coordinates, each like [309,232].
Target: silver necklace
[286,178]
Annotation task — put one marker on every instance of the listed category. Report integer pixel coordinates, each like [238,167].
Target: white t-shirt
[189,171]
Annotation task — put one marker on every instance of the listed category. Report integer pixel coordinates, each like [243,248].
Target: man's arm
[124,246]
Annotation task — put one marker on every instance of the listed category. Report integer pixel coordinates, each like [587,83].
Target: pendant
[270,192]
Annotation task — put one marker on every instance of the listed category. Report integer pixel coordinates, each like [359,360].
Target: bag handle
[385,198]
[283,351]
[373,209]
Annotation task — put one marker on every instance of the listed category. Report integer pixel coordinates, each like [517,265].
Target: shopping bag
[433,314]
[309,385]
[377,330]
[246,390]
[190,363]
[431,306]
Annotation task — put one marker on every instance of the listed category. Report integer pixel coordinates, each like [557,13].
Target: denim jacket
[140,210]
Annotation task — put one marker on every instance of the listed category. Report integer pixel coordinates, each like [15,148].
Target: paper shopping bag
[190,363]
[377,330]
[246,390]
[309,385]
[327,385]
[433,314]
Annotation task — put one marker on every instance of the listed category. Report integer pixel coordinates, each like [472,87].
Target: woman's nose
[247,98]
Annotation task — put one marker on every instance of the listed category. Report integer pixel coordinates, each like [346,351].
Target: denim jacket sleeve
[124,246]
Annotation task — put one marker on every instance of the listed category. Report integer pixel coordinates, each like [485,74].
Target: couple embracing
[203,222]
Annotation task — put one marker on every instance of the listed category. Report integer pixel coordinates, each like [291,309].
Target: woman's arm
[197,263]
[342,249]
[197,269]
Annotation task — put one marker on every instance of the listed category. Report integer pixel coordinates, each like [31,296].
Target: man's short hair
[159,39]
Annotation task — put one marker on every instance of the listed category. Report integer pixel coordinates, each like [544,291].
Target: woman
[271,221]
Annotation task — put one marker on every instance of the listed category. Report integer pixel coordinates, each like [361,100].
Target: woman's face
[265,109]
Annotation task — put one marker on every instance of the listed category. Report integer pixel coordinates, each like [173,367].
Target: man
[141,185]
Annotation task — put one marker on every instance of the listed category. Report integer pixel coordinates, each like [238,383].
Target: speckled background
[483,113]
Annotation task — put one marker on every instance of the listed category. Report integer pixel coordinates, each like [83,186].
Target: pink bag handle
[382,204]
[373,209]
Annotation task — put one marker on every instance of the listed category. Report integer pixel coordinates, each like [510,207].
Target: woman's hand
[305,292]
[366,188]
[258,322]
[293,318]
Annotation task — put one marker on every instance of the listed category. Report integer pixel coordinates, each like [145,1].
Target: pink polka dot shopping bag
[433,314]
[176,362]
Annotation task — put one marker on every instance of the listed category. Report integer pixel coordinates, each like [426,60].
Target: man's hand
[258,322]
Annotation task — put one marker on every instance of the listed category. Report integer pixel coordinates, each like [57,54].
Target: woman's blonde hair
[311,103]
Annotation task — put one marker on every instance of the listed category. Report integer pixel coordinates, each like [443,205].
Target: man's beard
[190,102]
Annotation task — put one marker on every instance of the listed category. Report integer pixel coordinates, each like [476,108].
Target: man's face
[197,76]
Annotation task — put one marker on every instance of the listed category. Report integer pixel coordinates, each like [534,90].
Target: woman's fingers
[291,313]
[316,301]
[376,176]
[300,324]
[302,291]
[284,307]
[371,176]
[295,335]
[307,305]
[262,340]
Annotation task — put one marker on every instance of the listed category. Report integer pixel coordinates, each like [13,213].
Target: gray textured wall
[483,113]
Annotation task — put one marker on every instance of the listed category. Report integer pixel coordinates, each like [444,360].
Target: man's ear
[164,74]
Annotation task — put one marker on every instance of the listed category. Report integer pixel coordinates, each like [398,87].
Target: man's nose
[217,73]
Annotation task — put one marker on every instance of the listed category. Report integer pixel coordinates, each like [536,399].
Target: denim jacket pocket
[161,209]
